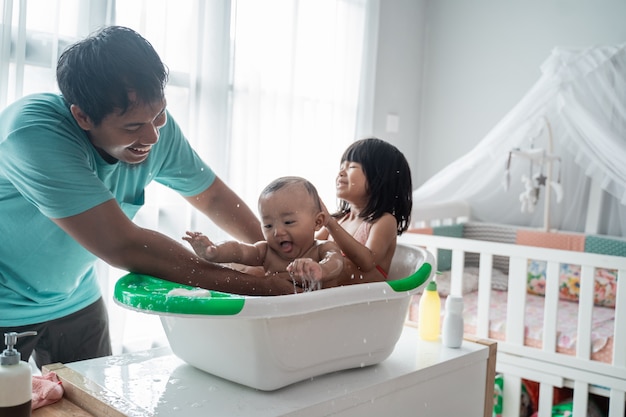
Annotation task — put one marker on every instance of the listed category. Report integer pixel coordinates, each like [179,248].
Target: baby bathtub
[270,342]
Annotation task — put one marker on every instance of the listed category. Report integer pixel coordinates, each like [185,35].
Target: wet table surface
[157,383]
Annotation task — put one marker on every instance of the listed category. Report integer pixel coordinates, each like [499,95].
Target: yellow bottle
[429,319]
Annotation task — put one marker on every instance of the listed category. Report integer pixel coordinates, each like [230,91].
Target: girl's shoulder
[386,223]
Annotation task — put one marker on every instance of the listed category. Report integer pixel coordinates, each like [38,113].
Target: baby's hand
[305,268]
[201,245]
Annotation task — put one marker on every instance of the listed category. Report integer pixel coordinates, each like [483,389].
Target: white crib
[516,360]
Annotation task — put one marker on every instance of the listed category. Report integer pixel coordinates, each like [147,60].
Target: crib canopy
[580,103]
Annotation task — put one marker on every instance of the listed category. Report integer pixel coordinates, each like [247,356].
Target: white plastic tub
[270,342]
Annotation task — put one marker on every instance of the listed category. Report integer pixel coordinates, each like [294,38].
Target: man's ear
[81,117]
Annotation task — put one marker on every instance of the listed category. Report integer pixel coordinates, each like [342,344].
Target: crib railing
[544,365]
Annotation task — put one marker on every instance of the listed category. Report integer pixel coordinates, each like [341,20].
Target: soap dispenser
[15,379]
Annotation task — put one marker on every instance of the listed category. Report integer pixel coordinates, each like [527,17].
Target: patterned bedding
[603,322]
[602,327]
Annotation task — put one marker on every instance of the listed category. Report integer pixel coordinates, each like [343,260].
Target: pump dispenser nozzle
[15,379]
[10,356]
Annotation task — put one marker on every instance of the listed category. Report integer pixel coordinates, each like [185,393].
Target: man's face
[128,137]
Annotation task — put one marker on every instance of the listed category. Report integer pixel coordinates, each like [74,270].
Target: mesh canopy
[571,128]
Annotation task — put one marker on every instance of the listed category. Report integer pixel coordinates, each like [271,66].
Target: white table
[418,379]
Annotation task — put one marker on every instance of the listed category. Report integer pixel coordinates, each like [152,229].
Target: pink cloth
[47,389]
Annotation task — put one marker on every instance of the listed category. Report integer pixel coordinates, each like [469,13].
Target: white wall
[399,66]
[451,69]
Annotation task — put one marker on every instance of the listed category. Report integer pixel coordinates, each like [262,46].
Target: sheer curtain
[296,78]
[261,88]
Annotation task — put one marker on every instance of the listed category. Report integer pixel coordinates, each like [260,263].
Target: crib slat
[581,394]
[585,312]
[546,394]
[516,300]
[434,250]
[616,405]
[511,392]
[456,278]
[484,294]
[619,337]
[551,307]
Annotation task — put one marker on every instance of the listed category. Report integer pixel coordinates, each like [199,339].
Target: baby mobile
[539,176]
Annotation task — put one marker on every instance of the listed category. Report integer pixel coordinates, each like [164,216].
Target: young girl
[375,193]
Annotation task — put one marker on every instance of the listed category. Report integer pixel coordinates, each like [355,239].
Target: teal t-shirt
[49,169]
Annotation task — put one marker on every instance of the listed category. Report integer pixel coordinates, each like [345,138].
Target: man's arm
[228,211]
[106,232]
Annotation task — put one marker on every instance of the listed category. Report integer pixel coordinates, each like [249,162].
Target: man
[73,169]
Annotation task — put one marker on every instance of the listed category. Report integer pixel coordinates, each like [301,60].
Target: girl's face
[352,183]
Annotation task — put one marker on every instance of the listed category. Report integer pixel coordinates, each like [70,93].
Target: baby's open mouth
[286,246]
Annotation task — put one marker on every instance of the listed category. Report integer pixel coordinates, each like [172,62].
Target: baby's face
[289,221]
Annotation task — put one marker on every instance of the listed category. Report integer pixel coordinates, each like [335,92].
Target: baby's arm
[229,251]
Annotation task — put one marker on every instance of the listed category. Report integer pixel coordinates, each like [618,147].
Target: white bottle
[15,379]
[452,333]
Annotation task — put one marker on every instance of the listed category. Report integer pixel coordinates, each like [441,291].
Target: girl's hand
[327,215]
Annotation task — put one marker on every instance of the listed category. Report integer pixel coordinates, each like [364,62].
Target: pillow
[605,245]
[444,256]
[470,281]
[605,282]
[490,232]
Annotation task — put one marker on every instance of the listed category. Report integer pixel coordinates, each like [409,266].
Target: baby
[291,213]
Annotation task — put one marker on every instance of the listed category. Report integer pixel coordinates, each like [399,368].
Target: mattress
[567,320]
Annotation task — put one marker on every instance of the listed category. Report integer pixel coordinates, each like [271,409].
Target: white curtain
[296,78]
[261,88]
[580,101]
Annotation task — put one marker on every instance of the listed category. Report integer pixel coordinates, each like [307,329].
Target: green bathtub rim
[148,293]
[414,280]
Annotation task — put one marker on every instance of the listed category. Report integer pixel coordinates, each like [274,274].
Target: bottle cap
[454,304]
[432,286]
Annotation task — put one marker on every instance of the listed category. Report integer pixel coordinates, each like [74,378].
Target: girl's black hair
[388,181]
[98,73]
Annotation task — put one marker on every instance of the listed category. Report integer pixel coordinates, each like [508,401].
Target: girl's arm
[381,240]
[331,261]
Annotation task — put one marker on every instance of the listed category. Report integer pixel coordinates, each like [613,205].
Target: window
[261,89]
